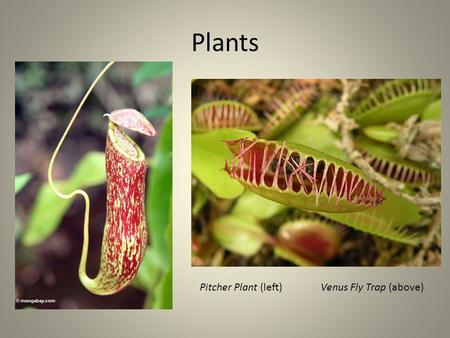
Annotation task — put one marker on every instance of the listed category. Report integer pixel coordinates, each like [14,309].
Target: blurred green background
[49,229]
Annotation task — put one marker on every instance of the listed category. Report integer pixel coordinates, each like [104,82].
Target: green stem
[86,281]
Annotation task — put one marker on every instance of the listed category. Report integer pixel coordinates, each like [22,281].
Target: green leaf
[239,234]
[153,279]
[260,208]
[148,274]
[47,212]
[381,133]
[159,195]
[20,181]
[433,111]
[209,153]
[199,200]
[163,293]
[155,273]
[386,220]
[49,209]
[157,112]
[310,133]
[90,171]
[151,70]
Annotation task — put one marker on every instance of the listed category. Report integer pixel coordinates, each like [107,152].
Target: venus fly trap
[286,107]
[300,176]
[432,112]
[377,188]
[125,232]
[383,159]
[224,114]
[309,239]
[395,101]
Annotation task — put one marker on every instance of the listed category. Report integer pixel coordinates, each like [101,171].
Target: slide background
[324,39]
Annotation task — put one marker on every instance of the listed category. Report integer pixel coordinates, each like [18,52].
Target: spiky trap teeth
[398,172]
[224,114]
[383,159]
[300,177]
[395,101]
[286,107]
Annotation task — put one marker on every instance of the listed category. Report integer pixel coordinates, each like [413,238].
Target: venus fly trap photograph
[93,185]
[316,172]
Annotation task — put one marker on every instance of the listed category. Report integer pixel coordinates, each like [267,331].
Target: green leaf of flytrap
[389,219]
[309,132]
[395,101]
[381,133]
[208,155]
[432,112]
[239,234]
[254,205]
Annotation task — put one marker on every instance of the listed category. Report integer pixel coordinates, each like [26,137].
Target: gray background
[329,39]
